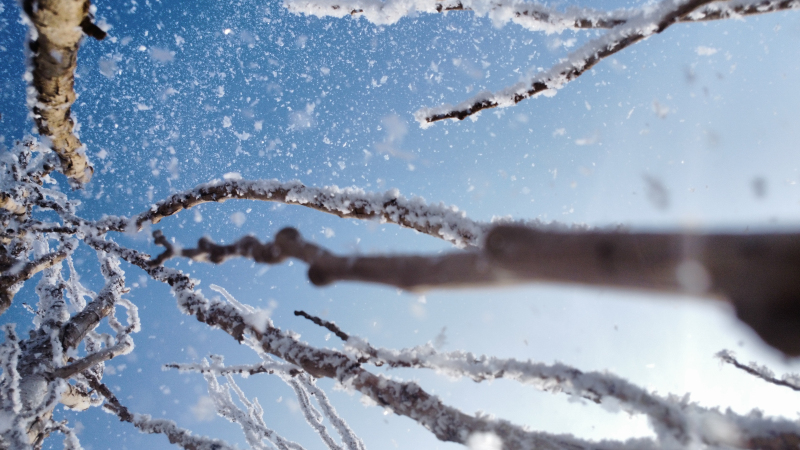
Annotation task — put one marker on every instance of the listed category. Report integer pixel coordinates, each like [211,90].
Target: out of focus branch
[9,204]
[54,48]
[756,272]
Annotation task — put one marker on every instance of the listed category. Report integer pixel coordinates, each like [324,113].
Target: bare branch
[55,37]
[324,323]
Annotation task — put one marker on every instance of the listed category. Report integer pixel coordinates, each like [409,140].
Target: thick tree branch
[755,272]
[54,48]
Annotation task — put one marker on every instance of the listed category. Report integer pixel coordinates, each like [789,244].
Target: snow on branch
[56,29]
[675,421]
[627,27]
[438,220]
[146,424]
[78,326]
[532,16]
[402,398]
[251,420]
[269,367]
[11,279]
[790,380]
[645,23]
[124,347]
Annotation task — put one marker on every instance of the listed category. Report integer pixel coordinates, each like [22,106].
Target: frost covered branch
[12,277]
[146,424]
[627,27]
[402,398]
[438,220]
[122,348]
[56,30]
[532,16]
[644,24]
[791,380]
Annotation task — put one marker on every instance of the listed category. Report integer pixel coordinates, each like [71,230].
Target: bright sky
[696,128]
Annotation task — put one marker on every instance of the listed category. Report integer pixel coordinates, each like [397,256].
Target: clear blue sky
[696,128]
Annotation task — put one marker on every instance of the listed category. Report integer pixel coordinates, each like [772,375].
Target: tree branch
[123,347]
[12,277]
[640,26]
[176,435]
[532,16]
[438,220]
[755,272]
[54,48]
[791,381]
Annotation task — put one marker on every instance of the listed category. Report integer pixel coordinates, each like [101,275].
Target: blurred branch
[755,272]
[55,38]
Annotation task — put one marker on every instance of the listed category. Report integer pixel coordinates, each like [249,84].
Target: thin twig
[759,371]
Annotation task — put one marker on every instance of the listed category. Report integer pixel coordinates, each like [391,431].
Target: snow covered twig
[791,381]
[176,435]
[12,277]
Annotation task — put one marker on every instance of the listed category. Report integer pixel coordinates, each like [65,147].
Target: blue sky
[696,128]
